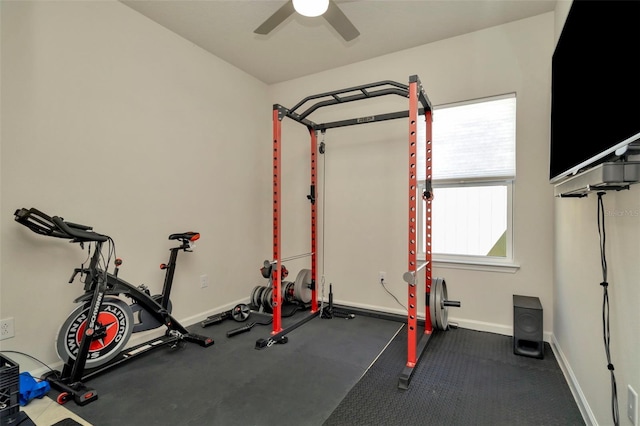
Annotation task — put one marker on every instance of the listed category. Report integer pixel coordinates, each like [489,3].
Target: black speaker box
[527,327]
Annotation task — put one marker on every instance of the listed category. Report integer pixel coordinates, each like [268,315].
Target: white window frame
[484,263]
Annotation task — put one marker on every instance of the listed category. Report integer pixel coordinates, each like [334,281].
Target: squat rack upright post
[419,105]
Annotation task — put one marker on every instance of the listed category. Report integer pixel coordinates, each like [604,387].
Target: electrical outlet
[382,277]
[204,281]
[6,329]
[632,406]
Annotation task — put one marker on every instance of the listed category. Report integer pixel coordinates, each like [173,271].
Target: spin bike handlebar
[78,233]
[55,226]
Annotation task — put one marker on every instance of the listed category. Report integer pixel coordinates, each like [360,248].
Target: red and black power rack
[420,108]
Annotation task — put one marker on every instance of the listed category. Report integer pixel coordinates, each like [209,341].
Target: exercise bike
[93,338]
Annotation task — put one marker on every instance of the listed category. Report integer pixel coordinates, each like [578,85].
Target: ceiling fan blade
[276,19]
[340,22]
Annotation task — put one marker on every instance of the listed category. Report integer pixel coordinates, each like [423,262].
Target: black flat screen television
[595,85]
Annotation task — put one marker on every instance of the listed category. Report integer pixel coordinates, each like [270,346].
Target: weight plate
[302,285]
[254,296]
[432,302]
[267,298]
[259,295]
[444,316]
[288,292]
[240,312]
[436,304]
[439,304]
[438,311]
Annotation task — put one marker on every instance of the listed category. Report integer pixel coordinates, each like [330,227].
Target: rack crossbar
[365,120]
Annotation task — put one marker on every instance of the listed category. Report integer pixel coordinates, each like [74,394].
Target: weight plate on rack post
[436,304]
[439,303]
[444,311]
[438,299]
[302,285]
[432,302]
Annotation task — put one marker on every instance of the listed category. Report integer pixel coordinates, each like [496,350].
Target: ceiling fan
[327,8]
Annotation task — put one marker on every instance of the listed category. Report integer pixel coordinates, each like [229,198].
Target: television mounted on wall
[595,93]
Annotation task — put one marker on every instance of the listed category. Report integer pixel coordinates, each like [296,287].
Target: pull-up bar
[334,98]
[419,104]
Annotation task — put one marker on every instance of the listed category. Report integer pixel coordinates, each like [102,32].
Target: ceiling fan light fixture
[311,8]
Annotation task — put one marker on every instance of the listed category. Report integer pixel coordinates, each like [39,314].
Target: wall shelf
[612,176]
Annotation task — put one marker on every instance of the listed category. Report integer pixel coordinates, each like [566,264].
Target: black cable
[392,295]
[322,151]
[104,262]
[324,198]
[605,310]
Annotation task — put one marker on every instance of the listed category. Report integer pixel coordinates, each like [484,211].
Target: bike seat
[185,236]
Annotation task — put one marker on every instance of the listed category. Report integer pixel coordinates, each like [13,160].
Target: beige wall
[110,120]
[366,186]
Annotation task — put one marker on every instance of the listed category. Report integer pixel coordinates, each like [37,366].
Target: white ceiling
[301,46]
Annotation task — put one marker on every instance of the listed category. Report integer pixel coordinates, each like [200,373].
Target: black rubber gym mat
[463,378]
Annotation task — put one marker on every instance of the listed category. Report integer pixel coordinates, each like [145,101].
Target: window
[473,174]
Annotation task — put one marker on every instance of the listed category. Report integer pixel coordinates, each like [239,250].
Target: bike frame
[98,284]
[117,286]
[95,292]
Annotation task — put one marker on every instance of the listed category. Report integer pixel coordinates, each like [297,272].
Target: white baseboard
[506,330]
[587,414]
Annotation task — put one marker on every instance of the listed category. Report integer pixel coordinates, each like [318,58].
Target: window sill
[484,265]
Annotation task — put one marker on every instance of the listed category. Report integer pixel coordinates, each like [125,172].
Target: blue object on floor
[30,388]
